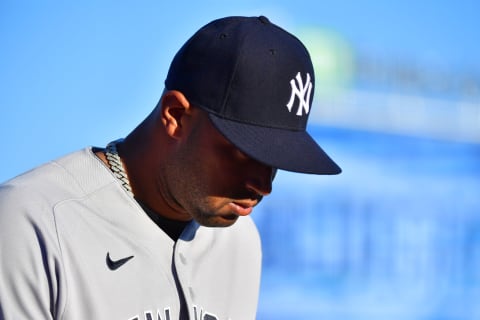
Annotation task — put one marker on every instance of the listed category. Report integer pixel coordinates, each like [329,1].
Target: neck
[143,153]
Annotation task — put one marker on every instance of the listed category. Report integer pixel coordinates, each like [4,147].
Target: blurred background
[397,105]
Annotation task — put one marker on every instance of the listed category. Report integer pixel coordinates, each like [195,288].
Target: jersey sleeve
[29,264]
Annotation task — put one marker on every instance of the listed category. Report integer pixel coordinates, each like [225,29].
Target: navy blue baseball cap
[256,82]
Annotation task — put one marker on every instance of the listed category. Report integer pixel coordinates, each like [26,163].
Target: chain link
[116,165]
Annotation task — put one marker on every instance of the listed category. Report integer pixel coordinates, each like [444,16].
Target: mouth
[241,208]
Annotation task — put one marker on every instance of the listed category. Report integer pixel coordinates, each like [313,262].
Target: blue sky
[74,74]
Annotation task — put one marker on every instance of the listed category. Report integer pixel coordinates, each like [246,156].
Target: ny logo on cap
[302,91]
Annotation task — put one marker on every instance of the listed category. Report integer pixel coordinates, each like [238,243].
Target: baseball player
[156,225]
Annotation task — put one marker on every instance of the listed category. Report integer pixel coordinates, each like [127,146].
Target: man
[134,231]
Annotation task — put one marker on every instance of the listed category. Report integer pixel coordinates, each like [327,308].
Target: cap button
[264,20]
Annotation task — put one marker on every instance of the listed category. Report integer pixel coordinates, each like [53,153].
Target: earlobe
[174,107]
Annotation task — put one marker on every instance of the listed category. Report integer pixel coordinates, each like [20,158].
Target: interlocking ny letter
[302,92]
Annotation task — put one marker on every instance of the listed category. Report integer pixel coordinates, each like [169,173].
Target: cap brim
[279,148]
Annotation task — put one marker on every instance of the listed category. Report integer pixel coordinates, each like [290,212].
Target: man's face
[211,179]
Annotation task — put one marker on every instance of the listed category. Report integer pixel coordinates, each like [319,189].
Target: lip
[241,208]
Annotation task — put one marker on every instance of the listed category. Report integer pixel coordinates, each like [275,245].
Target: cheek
[216,177]
[200,177]
[213,164]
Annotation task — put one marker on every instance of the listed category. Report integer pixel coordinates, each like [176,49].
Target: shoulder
[29,200]
[245,226]
[242,235]
[243,229]
[221,267]
[73,175]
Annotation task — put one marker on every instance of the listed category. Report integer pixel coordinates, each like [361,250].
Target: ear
[174,109]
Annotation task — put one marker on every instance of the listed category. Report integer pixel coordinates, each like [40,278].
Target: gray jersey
[75,245]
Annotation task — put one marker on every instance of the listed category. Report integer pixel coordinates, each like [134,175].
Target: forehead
[205,127]
[213,142]
[208,136]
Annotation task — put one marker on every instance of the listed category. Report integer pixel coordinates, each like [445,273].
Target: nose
[260,179]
